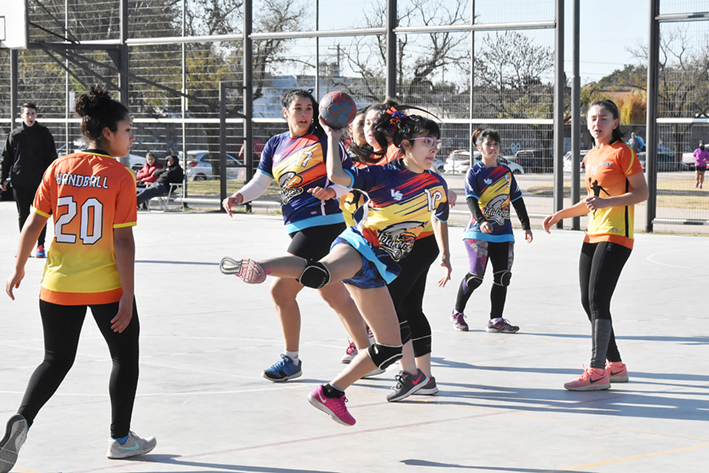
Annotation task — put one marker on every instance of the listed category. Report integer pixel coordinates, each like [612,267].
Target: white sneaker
[15,436]
[350,353]
[133,447]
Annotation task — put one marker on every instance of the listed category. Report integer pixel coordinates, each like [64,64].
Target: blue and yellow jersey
[88,195]
[496,189]
[400,204]
[298,164]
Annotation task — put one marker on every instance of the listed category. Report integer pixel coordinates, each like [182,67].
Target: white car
[136,162]
[459,162]
[199,166]
[568,163]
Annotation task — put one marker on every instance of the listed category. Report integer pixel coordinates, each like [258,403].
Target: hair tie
[395,116]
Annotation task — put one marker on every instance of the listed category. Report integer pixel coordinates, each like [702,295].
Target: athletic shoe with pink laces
[458,319]
[335,407]
[617,371]
[501,325]
[248,270]
[350,353]
[592,379]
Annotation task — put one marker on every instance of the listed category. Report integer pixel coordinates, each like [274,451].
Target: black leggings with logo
[600,266]
[62,327]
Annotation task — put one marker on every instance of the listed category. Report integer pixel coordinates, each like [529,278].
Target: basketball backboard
[13,24]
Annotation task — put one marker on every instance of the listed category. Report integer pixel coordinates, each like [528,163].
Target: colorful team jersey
[400,204]
[88,196]
[607,171]
[496,189]
[298,164]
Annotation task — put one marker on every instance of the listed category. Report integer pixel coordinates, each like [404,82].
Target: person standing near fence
[91,198]
[490,189]
[296,160]
[29,150]
[701,157]
[615,183]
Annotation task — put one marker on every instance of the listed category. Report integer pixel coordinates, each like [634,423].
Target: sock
[293,355]
[122,440]
[332,392]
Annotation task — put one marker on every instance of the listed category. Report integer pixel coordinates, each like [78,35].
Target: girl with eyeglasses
[490,188]
[402,197]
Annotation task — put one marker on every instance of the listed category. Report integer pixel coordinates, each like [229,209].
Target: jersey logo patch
[396,195]
[398,239]
[497,209]
[289,183]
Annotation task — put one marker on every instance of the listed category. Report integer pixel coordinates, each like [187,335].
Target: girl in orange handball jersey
[91,198]
[615,183]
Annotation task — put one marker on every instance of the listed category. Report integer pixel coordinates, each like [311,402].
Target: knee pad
[385,355]
[473,281]
[405,330]
[502,278]
[315,275]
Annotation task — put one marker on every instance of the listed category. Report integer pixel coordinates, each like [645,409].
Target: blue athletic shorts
[368,276]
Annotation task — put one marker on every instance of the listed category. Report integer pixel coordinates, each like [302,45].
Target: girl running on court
[91,198]
[490,187]
[615,183]
[296,160]
[403,197]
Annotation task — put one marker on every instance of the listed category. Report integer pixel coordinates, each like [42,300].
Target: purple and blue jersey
[400,204]
[495,188]
[298,164]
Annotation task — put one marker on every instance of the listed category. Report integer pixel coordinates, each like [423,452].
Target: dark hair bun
[90,103]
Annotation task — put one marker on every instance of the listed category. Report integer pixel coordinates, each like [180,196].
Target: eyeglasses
[428,141]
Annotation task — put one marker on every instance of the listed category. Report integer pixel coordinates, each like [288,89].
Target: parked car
[666,161]
[568,163]
[459,162]
[136,162]
[200,166]
[688,160]
[531,159]
[438,165]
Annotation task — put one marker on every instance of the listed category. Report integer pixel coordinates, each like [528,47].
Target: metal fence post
[391,23]
[222,143]
[651,132]
[559,109]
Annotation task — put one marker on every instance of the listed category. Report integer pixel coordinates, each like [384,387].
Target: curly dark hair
[98,111]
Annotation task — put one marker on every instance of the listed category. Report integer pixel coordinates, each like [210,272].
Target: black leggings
[407,294]
[62,327]
[600,266]
[24,197]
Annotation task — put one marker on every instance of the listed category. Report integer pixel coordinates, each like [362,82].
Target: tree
[419,56]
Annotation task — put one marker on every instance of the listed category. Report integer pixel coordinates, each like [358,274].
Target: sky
[607,28]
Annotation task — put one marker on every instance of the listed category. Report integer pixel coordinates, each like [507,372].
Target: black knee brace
[385,355]
[405,330]
[502,278]
[473,281]
[315,275]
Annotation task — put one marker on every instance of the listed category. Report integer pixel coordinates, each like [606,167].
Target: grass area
[673,193]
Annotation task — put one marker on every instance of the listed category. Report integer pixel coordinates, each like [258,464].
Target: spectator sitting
[147,174]
[170,174]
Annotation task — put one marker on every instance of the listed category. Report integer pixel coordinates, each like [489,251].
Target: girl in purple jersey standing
[490,187]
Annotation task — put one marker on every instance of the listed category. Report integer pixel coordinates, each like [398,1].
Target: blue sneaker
[40,252]
[284,370]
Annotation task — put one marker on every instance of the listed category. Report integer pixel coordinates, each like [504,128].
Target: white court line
[651,259]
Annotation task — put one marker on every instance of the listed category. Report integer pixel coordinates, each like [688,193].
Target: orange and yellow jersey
[87,195]
[607,171]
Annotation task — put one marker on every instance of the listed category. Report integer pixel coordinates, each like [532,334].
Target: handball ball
[337,109]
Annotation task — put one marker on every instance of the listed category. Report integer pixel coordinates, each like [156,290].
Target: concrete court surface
[207,337]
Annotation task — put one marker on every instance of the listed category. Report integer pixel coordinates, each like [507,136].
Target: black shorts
[314,243]
[701,168]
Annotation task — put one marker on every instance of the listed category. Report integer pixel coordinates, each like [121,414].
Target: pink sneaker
[350,353]
[335,407]
[248,270]
[617,371]
[592,379]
